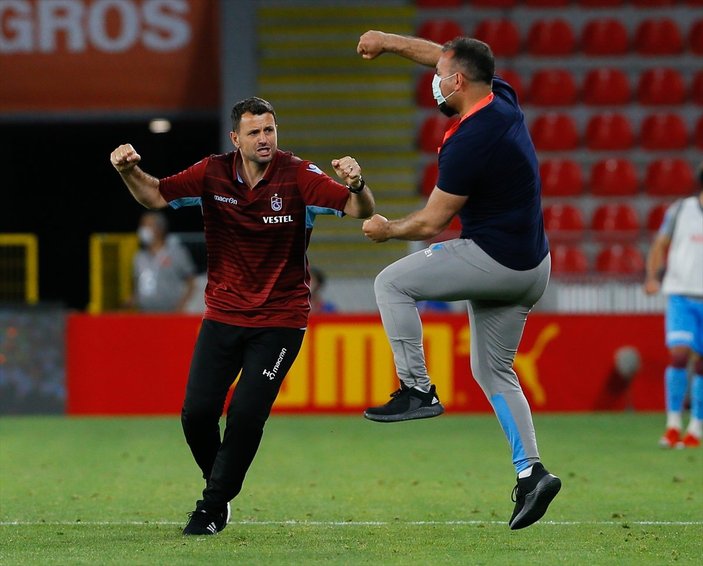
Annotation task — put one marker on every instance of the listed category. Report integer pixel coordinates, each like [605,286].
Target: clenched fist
[371,44]
[376,228]
[124,158]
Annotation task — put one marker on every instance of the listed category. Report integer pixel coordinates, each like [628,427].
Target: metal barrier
[19,268]
[111,270]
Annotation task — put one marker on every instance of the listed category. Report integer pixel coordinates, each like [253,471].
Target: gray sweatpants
[498,302]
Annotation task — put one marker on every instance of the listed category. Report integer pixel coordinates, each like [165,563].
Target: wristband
[359,188]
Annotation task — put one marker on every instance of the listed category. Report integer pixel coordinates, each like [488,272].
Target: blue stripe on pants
[510,429]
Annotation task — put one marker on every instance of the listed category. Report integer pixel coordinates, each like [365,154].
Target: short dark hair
[253,105]
[474,56]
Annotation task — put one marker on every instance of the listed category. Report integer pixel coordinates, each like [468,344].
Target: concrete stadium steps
[331,103]
[355,261]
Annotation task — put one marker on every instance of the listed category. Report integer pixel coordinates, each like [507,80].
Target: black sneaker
[532,496]
[407,403]
[202,522]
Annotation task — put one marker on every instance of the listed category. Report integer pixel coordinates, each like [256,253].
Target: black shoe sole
[419,413]
[536,502]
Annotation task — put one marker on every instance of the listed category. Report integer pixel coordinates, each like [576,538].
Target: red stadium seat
[550,38]
[563,222]
[606,87]
[605,36]
[615,221]
[552,87]
[655,216]
[423,90]
[614,177]
[568,260]
[671,176]
[493,3]
[554,132]
[546,3]
[663,131]
[661,86]
[432,132]
[658,37]
[600,3]
[501,34]
[608,132]
[652,3]
[620,259]
[695,37]
[429,178]
[697,88]
[514,80]
[561,177]
[439,31]
[698,133]
[437,3]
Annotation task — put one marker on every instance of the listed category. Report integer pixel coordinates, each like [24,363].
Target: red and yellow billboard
[88,55]
[138,364]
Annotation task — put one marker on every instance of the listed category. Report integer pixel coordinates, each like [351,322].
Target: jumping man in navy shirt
[500,264]
[259,205]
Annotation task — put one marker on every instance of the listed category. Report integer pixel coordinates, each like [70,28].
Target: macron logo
[228,200]
[314,169]
[272,374]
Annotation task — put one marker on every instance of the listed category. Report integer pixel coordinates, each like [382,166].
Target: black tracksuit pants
[264,356]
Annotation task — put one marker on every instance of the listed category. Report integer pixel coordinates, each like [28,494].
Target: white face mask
[440,99]
[145,235]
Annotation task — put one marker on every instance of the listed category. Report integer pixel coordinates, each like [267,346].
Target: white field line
[345,523]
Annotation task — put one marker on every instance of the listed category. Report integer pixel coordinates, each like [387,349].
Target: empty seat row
[609,131]
[557,37]
[616,177]
[671,176]
[616,259]
[613,131]
[658,86]
[609,221]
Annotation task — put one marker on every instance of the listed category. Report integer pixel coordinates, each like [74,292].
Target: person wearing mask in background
[163,269]
[259,205]
[675,267]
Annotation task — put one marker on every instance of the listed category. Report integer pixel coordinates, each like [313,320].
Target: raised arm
[144,187]
[373,43]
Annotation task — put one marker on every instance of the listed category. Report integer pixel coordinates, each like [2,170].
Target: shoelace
[514,495]
[397,392]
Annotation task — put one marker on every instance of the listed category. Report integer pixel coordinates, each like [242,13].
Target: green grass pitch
[343,490]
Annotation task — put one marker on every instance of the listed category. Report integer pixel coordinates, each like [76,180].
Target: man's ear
[234,138]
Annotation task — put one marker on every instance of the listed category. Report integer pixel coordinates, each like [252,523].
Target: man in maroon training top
[258,205]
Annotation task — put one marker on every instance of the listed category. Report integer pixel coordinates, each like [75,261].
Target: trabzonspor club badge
[276,203]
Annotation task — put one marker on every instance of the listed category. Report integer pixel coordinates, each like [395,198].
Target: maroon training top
[257,238]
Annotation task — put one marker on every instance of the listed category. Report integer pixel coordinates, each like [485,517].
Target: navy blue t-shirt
[491,159]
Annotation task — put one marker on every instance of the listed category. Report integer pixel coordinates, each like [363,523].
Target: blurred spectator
[163,270]
[317,286]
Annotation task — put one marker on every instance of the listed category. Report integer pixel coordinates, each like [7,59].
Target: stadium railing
[19,266]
